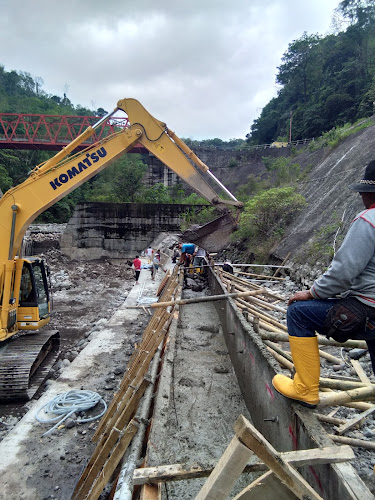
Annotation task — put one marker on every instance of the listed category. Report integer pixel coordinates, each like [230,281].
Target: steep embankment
[331,205]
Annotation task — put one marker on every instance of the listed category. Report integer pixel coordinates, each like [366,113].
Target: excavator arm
[54,179]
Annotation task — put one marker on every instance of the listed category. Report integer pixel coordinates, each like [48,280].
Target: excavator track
[25,362]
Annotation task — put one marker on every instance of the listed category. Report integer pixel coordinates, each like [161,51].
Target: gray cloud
[205,68]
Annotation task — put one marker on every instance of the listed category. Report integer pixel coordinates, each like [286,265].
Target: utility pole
[290,126]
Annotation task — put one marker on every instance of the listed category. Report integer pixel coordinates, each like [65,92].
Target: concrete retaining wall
[117,230]
[296,427]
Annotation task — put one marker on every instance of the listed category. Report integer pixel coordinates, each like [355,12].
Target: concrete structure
[117,230]
[296,427]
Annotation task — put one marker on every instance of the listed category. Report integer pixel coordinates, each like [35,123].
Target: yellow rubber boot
[304,388]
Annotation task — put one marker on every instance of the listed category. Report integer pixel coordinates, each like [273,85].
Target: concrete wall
[117,230]
[296,427]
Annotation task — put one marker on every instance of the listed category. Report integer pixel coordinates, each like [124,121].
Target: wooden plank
[300,458]
[353,422]
[149,492]
[126,408]
[111,464]
[254,440]
[126,391]
[360,372]
[225,474]
[108,440]
[266,487]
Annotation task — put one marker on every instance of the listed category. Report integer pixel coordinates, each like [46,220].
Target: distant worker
[176,254]
[155,265]
[199,258]
[227,267]
[149,253]
[137,267]
[187,253]
[340,304]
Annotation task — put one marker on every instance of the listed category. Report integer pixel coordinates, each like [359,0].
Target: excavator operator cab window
[34,288]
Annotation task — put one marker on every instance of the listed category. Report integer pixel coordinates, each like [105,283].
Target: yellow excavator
[25,301]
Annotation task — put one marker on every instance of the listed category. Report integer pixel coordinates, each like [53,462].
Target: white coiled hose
[64,405]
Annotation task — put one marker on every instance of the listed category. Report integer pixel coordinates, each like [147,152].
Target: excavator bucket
[213,236]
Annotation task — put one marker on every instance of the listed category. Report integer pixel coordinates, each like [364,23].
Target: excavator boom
[24,296]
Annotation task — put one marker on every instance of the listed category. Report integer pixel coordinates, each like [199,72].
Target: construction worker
[187,253]
[352,274]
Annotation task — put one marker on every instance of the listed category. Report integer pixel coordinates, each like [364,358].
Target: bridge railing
[21,131]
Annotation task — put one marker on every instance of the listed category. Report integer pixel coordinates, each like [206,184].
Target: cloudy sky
[205,67]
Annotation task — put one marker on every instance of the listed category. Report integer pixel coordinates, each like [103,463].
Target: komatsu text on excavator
[25,299]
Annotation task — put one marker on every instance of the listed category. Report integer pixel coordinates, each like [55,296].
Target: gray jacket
[352,270]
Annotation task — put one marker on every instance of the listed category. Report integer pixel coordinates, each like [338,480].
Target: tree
[361,12]
[299,68]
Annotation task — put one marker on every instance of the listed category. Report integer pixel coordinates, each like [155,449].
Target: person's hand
[302,295]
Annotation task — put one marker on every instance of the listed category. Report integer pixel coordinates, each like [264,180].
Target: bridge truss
[52,132]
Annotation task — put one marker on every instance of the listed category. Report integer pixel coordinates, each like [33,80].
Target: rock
[357,353]
[368,433]
[69,423]
[338,368]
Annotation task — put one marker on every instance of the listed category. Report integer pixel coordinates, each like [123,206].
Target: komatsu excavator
[25,301]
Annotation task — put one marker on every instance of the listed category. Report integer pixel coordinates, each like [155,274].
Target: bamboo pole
[342,397]
[262,324]
[281,265]
[329,357]
[260,302]
[271,278]
[252,285]
[263,315]
[361,443]
[283,361]
[205,299]
[283,337]
[330,420]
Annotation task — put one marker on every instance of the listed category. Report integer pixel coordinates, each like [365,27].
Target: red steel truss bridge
[53,132]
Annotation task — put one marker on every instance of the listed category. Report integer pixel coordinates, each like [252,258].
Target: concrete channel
[193,427]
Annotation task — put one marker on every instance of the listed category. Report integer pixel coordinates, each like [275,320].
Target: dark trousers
[306,317]
[137,273]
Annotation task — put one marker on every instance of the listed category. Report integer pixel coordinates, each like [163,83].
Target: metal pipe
[221,185]
[12,232]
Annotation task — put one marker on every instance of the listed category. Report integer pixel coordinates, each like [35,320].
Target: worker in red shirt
[137,267]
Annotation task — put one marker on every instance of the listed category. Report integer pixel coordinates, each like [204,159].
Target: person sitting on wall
[340,304]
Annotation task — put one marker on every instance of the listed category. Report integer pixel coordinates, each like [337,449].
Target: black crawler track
[25,362]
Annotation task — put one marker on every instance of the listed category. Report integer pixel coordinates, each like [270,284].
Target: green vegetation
[325,82]
[266,217]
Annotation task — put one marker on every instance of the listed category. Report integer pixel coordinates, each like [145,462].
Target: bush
[267,215]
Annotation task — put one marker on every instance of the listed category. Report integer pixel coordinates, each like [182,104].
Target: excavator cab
[34,300]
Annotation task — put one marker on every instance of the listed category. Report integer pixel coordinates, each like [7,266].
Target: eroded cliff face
[320,228]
